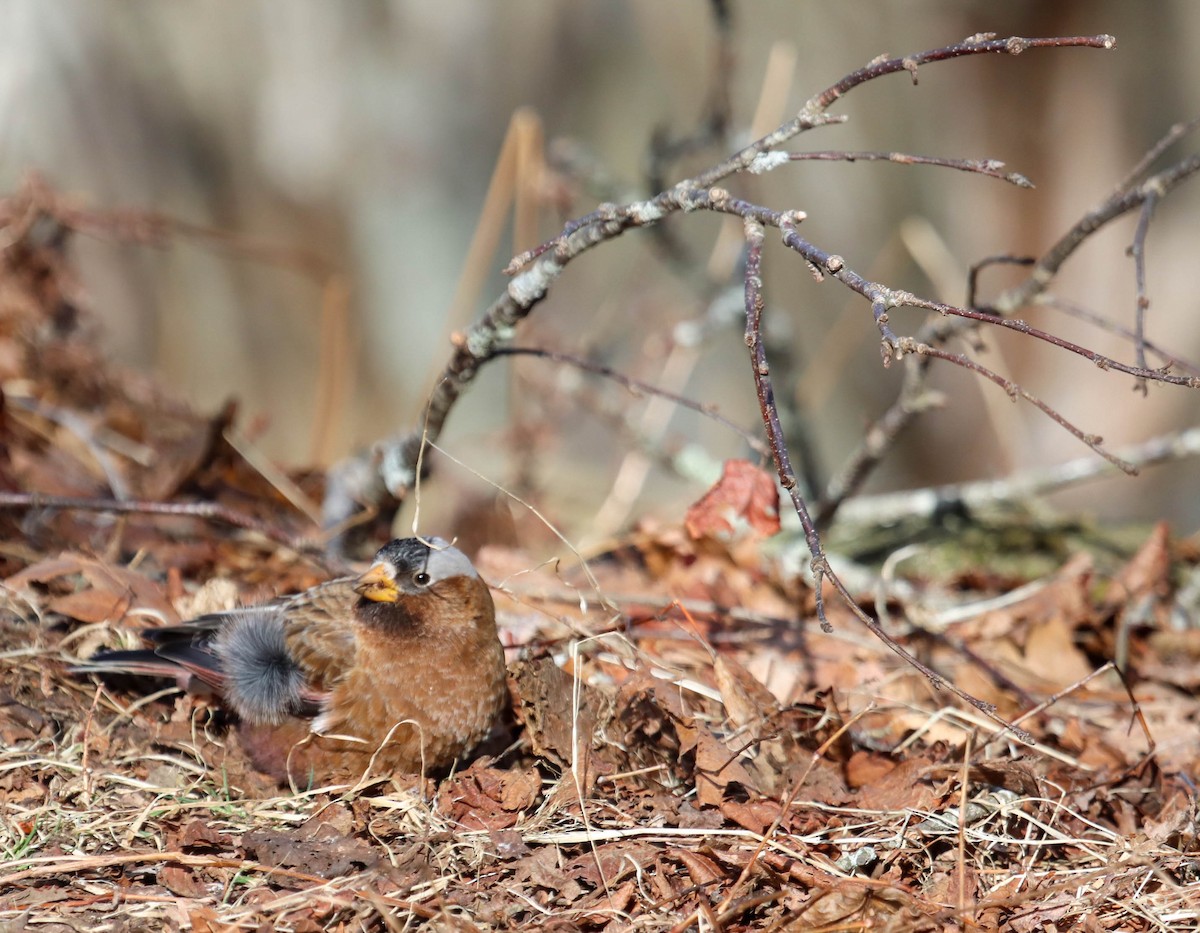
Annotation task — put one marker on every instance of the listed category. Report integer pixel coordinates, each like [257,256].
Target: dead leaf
[1051,654]
[182,881]
[111,588]
[746,700]
[1146,574]
[314,848]
[716,767]
[205,920]
[867,768]
[700,868]
[489,798]
[953,887]
[611,862]
[201,835]
[46,570]
[754,815]
[744,495]
[609,904]
[94,605]
[542,868]
[904,787]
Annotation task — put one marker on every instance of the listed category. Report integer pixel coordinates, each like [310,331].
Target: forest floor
[688,748]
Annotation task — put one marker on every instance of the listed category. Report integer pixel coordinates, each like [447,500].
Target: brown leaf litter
[687,748]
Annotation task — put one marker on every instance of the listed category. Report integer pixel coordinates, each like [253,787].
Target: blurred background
[357,141]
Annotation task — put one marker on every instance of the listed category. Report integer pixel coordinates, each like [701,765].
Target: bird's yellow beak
[378,585]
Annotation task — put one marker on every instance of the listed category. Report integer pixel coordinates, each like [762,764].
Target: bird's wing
[324,597]
[321,633]
[183,652]
[318,631]
[332,601]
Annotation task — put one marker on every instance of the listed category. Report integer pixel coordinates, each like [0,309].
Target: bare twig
[884,300]
[1017,487]
[1138,251]
[212,511]
[638,387]
[1120,203]
[787,478]
[1015,391]
[1173,135]
[1169,360]
[914,399]
[770,414]
[989,167]
[1003,259]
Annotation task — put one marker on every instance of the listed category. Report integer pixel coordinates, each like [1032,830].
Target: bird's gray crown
[433,556]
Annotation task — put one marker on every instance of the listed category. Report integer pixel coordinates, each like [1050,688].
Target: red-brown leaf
[743,492]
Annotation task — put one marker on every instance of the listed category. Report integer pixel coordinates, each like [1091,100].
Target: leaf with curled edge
[560,716]
[744,495]
[488,798]
[107,592]
[716,766]
[747,701]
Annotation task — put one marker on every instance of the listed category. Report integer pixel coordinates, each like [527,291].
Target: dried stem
[770,412]
[787,478]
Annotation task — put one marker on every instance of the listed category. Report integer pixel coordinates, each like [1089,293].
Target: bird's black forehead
[406,554]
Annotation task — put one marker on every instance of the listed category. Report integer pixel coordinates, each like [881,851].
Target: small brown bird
[399,669]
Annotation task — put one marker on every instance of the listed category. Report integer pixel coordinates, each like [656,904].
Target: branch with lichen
[378,480]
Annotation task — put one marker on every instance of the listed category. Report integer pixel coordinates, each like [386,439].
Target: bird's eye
[422,578]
